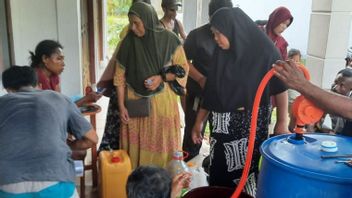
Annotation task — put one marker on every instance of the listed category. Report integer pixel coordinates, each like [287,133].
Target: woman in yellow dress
[144,53]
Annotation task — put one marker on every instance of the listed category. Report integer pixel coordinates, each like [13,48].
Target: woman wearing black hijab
[243,56]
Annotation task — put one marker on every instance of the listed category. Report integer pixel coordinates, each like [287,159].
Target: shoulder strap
[176,27]
[162,23]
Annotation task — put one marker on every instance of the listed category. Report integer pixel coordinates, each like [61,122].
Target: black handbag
[138,108]
[180,73]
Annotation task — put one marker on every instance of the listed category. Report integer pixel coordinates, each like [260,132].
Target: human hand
[170,77]
[196,133]
[290,74]
[180,181]
[93,96]
[124,117]
[153,82]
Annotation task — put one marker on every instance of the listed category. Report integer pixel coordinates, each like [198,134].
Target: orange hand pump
[304,111]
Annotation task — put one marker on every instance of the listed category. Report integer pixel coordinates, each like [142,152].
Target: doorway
[116,21]
[5,60]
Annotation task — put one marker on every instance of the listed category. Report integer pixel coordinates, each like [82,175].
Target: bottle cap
[190,164]
[328,146]
[115,159]
[178,155]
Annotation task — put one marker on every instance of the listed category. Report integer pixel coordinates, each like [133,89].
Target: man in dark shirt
[199,47]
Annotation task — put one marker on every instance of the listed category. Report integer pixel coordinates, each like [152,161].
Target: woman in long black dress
[243,56]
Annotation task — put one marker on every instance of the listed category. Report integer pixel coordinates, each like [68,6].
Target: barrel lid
[306,159]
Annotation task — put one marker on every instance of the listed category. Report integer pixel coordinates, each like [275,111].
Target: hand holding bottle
[179,182]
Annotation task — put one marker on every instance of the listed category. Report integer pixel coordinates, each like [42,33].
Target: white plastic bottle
[177,165]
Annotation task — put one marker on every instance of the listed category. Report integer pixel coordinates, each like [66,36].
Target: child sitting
[155,182]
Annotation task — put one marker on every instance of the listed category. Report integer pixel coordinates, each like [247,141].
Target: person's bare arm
[281,126]
[202,116]
[88,140]
[182,30]
[330,102]
[120,83]
[121,103]
[91,97]
[196,75]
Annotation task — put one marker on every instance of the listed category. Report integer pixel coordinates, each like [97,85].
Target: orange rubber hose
[252,132]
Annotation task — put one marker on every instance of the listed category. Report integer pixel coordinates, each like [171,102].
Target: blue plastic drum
[302,168]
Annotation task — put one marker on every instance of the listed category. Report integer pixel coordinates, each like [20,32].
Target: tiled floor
[103,102]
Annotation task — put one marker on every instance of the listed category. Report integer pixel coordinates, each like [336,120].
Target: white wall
[297,34]
[32,21]
[36,20]
[69,35]
[350,43]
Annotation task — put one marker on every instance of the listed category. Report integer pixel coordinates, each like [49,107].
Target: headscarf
[236,73]
[143,57]
[349,53]
[278,16]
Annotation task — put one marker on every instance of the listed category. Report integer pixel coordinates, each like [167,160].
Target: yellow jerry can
[115,167]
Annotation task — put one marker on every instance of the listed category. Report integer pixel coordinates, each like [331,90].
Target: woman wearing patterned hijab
[243,56]
[145,50]
[279,20]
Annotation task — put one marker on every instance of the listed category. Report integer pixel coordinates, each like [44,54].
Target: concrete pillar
[330,28]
